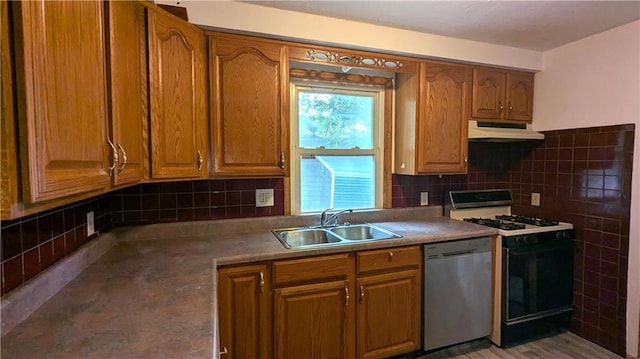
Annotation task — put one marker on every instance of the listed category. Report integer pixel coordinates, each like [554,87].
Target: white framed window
[336,147]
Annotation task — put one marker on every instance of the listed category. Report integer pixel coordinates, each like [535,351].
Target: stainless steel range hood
[484,131]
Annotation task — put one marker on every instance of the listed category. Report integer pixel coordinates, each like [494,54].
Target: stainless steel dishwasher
[457,292]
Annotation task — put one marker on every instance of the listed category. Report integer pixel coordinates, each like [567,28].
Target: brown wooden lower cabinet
[314,321]
[388,315]
[319,308]
[244,312]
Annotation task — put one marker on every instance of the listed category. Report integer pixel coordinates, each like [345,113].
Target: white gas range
[533,276]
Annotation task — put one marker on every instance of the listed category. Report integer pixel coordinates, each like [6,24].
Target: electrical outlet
[535,199]
[424,198]
[264,197]
[91,229]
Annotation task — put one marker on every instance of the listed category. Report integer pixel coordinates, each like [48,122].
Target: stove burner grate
[541,222]
[496,223]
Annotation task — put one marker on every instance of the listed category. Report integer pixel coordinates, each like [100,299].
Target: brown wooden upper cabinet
[128,90]
[502,95]
[432,112]
[177,84]
[249,106]
[61,98]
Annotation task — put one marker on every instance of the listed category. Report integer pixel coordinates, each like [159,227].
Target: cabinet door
[62,97]
[177,97]
[488,100]
[127,80]
[244,312]
[442,140]
[249,106]
[519,96]
[389,314]
[314,321]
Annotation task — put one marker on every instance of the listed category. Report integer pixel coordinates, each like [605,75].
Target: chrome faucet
[325,220]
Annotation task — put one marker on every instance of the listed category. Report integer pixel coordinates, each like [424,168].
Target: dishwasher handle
[457,248]
[458,253]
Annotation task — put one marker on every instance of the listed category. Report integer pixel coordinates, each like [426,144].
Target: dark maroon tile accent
[217,199]
[31,263]
[168,215]
[149,201]
[201,200]
[29,231]
[248,211]
[201,214]
[135,216]
[11,241]
[69,219]
[145,216]
[59,250]
[57,223]
[201,186]
[185,214]
[185,200]
[233,211]
[81,235]
[46,254]
[44,227]
[132,202]
[218,212]
[167,200]
[248,198]
[233,198]
[70,241]
[12,273]
[134,190]
[181,187]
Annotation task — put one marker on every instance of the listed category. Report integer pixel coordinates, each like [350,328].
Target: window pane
[338,182]
[335,121]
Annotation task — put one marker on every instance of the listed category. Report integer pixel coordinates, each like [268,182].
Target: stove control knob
[520,240]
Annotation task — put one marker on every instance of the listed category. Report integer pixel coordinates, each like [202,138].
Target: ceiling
[533,25]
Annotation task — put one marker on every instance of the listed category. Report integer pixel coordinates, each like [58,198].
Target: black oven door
[537,281]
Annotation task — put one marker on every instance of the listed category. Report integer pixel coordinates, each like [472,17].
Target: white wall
[240,16]
[596,82]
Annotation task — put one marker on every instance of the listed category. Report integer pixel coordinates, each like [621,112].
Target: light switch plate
[424,198]
[264,197]
[535,199]
[91,229]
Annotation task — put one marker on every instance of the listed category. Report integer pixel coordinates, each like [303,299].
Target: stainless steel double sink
[342,234]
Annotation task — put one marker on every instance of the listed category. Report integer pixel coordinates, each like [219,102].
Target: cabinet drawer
[391,258]
[310,269]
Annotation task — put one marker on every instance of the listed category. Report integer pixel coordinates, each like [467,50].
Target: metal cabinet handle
[261,282]
[124,158]
[510,107]
[500,106]
[114,159]
[224,351]
[390,255]
[282,160]
[361,293]
[346,295]
[200,161]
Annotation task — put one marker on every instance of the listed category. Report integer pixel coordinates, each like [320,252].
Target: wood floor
[564,345]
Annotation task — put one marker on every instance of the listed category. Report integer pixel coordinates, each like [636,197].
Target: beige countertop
[153,295]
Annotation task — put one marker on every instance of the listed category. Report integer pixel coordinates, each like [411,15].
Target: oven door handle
[539,248]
